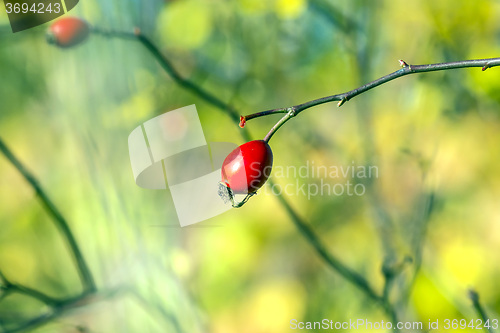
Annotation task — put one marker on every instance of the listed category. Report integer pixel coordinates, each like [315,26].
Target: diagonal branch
[355,278]
[170,69]
[57,217]
[9,287]
[338,266]
[65,306]
[344,97]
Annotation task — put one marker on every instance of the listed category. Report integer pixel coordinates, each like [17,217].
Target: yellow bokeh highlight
[463,261]
[180,262]
[289,8]
[428,300]
[185,24]
[133,111]
[271,306]
[138,107]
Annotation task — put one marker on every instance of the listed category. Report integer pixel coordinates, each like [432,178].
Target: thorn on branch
[342,101]
[403,63]
[485,67]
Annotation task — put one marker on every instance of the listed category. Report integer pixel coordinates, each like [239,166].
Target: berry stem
[290,113]
[227,195]
[242,202]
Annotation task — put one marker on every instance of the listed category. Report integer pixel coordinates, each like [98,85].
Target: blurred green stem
[338,19]
[420,223]
[170,69]
[9,287]
[474,297]
[63,307]
[356,279]
[57,217]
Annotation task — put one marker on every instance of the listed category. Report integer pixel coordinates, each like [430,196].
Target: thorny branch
[292,111]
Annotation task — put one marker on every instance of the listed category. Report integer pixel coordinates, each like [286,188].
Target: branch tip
[243,121]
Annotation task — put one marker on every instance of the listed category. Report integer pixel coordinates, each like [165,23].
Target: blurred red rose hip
[68,31]
[247,167]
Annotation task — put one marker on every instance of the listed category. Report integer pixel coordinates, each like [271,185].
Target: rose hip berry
[247,167]
[68,31]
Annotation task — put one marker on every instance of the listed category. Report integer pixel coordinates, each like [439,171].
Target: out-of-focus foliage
[433,137]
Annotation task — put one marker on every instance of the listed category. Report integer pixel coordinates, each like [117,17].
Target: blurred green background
[434,138]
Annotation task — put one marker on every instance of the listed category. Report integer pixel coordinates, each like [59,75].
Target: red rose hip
[247,167]
[68,31]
